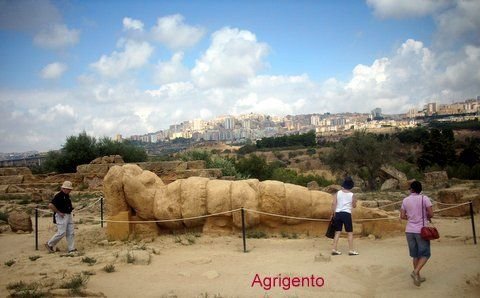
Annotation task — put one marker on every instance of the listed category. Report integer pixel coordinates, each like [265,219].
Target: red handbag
[428,233]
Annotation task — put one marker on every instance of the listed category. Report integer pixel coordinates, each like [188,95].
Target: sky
[136,67]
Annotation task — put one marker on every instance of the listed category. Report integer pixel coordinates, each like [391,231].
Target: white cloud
[53,70]
[233,57]
[57,36]
[171,71]
[459,25]
[206,114]
[175,34]
[172,90]
[132,24]
[464,72]
[135,55]
[406,8]
[59,110]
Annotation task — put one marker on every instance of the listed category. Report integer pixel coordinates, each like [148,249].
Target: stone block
[196,164]
[12,179]
[119,230]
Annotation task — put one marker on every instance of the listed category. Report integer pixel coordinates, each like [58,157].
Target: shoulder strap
[423,219]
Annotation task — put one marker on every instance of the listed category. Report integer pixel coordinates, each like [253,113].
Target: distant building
[197,125]
[229,123]
[315,120]
[377,114]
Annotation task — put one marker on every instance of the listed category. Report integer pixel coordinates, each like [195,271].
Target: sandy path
[217,265]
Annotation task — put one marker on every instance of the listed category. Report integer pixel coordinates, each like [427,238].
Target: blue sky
[133,67]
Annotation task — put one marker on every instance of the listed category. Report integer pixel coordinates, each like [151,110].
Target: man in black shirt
[62,207]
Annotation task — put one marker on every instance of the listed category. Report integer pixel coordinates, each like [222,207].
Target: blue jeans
[417,246]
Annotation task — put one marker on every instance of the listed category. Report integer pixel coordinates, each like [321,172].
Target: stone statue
[133,194]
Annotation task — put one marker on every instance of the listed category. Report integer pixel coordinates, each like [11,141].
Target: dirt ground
[195,265]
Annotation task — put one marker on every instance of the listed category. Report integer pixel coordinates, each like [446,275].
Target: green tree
[82,149]
[361,154]
[471,154]
[439,149]
[126,149]
[254,166]
[78,150]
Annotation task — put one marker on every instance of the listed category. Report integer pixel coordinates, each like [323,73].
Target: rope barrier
[440,203]
[263,213]
[286,216]
[45,211]
[171,220]
[253,211]
[88,206]
[440,210]
[383,206]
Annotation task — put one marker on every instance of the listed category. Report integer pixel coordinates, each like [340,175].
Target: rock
[15,189]
[12,179]
[371,237]
[391,172]
[381,204]
[212,274]
[334,188]
[136,257]
[4,228]
[438,179]
[108,160]
[184,274]
[15,171]
[20,220]
[323,257]
[389,184]
[313,185]
[457,195]
[103,242]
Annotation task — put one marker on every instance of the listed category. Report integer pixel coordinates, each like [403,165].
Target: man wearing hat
[62,207]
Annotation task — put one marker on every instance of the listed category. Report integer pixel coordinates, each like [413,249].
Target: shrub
[9,263]
[75,284]
[109,268]
[90,261]
[311,151]
[130,258]
[34,258]
[227,165]
[255,234]
[22,289]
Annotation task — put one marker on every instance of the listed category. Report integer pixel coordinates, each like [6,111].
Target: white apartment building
[315,120]
[229,123]
[198,125]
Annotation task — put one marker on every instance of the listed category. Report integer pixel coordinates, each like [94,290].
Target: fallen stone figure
[133,194]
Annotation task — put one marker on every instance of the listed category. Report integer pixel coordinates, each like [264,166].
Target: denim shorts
[417,246]
[343,219]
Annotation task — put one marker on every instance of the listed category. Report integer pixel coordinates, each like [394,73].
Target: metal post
[101,211]
[473,223]
[243,231]
[36,228]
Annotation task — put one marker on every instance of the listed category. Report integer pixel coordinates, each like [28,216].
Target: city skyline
[133,67]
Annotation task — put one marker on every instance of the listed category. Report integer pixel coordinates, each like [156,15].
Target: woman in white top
[343,202]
